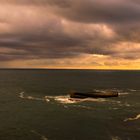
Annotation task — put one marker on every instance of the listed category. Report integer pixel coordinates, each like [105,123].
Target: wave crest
[132,119]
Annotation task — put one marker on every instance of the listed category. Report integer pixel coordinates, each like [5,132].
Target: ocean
[35,105]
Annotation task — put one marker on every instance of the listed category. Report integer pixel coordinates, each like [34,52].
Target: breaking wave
[68,100]
[65,99]
[115,138]
[60,99]
[132,119]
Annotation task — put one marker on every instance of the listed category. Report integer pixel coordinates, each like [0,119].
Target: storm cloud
[66,31]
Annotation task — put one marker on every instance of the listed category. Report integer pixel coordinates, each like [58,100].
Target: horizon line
[68,69]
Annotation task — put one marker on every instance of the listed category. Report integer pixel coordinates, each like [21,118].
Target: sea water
[35,105]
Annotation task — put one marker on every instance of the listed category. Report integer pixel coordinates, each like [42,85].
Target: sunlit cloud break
[91,34]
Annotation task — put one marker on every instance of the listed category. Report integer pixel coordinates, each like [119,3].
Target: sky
[77,34]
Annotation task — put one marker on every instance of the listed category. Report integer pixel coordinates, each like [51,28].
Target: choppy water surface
[35,105]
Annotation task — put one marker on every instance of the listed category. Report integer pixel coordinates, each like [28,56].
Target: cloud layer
[62,33]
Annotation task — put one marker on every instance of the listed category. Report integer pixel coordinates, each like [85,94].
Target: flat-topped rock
[94,94]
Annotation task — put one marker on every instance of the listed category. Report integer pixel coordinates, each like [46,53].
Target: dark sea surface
[35,105]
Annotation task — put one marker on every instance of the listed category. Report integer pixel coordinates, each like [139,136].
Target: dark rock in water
[94,94]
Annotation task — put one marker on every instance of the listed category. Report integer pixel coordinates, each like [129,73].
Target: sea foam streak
[41,136]
[131,119]
[83,107]
[132,90]
[21,95]
[123,93]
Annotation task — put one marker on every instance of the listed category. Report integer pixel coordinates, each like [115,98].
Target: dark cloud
[57,29]
[109,11]
[99,11]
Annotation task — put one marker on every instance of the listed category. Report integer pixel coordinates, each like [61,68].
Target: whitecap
[132,119]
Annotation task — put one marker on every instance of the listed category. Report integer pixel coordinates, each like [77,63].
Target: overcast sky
[70,34]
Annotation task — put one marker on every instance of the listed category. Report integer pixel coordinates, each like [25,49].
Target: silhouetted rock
[94,94]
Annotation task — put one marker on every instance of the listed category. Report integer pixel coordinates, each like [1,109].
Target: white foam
[115,138]
[47,100]
[132,119]
[128,105]
[42,137]
[61,99]
[123,93]
[67,100]
[122,103]
[83,107]
[95,99]
[132,90]
[21,95]
[64,100]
